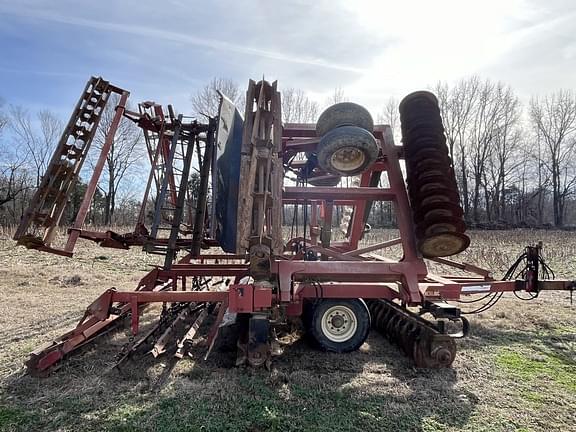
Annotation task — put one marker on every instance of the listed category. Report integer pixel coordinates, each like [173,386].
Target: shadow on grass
[375,388]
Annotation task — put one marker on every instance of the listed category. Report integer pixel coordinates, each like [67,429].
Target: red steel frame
[45,244]
[151,118]
[345,270]
[93,183]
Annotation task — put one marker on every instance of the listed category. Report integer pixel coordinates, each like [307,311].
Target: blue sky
[164,50]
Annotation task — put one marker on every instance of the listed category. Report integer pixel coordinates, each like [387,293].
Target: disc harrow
[421,340]
[432,184]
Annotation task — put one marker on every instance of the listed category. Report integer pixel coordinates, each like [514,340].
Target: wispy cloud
[57,74]
[175,37]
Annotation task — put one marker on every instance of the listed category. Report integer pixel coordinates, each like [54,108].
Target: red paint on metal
[262,298]
[246,298]
[48,360]
[241,298]
[346,290]
[139,297]
[91,188]
[359,213]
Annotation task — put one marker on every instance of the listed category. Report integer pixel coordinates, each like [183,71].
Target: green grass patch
[550,367]
[536,398]
[16,418]
[564,329]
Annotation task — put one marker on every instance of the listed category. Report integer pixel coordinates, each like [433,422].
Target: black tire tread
[344,114]
[362,315]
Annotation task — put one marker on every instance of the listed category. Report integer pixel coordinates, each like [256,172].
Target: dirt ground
[516,371]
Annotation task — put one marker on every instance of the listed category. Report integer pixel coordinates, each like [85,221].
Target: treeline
[514,160]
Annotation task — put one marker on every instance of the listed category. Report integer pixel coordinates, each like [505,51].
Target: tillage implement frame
[224,247]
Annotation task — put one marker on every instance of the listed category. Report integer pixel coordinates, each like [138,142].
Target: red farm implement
[222,239]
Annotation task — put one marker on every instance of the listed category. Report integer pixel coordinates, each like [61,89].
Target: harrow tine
[182,344]
[213,334]
[163,335]
[169,334]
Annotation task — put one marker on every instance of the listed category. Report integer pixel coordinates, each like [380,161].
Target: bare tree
[38,139]
[495,116]
[297,107]
[554,118]
[485,128]
[51,128]
[457,109]
[504,156]
[123,158]
[480,120]
[336,97]
[13,181]
[537,157]
[3,117]
[391,116]
[15,185]
[205,101]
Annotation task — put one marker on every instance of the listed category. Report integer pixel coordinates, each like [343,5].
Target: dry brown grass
[515,372]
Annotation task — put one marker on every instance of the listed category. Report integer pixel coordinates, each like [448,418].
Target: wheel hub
[348,159]
[339,323]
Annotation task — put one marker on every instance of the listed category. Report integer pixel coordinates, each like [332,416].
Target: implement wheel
[327,180]
[347,151]
[340,325]
[344,114]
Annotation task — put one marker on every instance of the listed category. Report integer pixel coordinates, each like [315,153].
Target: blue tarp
[229,144]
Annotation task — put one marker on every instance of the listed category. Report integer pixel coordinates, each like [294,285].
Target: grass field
[516,371]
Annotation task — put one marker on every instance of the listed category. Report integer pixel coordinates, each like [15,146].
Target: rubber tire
[362,314]
[325,182]
[347,136]
[307,315]
[344,114]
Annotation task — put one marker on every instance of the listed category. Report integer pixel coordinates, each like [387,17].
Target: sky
[165,50]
